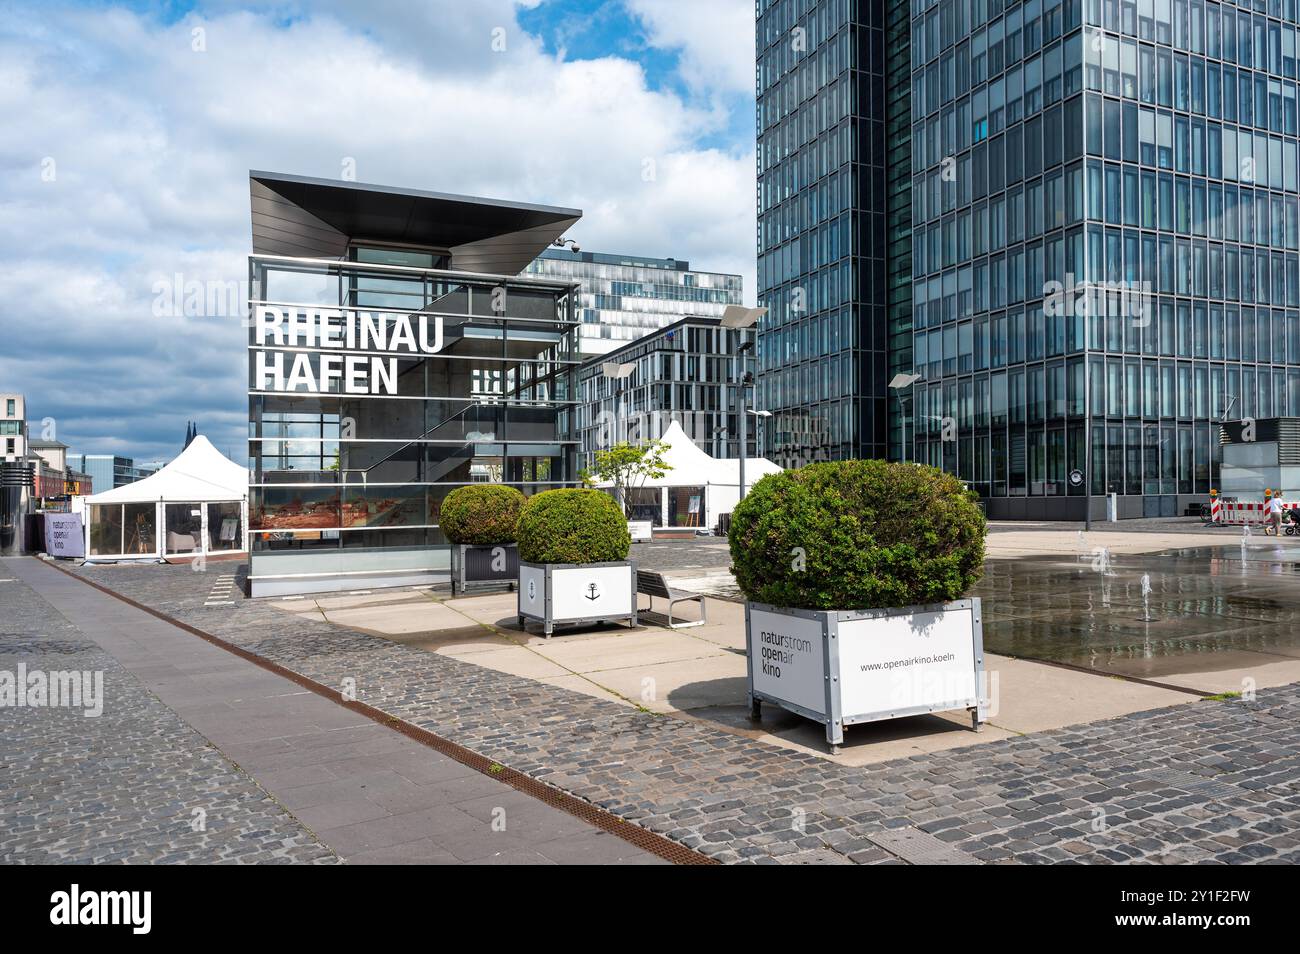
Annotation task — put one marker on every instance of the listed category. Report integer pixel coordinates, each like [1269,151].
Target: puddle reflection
[1208,607]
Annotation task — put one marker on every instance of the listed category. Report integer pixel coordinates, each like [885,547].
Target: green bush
[481,514]
[857,534]
[573,526]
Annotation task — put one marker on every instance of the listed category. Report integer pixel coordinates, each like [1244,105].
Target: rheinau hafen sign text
[350,352]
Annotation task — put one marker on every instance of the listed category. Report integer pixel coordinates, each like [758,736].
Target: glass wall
[822,170]
[123,529]
[184,527]
[1106,234]
[224,530]
[624,297]
[332,469]
[686,373]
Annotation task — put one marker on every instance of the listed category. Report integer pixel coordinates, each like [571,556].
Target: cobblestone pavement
[1205,781]
[122,786]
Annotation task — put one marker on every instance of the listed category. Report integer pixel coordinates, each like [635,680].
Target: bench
[653,584]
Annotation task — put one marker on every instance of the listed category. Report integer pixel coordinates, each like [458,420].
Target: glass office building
[1149,147]
[622,297]
[395,354]
[687,373]
[1100,228]
[822,173]
[108,471]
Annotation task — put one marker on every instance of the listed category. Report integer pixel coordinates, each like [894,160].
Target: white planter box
[557,594]
[843,667]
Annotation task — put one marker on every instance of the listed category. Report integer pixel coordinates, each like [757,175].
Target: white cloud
[715,37]
[151,143]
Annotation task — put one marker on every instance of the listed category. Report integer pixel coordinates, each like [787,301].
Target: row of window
[1145,460]
[1114,195]
[1193,26]
[1160,328]
[1107,128]
[1051,392]
[1145,263]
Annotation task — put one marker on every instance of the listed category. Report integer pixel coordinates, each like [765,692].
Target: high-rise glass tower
[823,345]
[1102,262]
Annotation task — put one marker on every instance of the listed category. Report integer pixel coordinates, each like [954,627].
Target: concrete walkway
[369,793]
[700,672]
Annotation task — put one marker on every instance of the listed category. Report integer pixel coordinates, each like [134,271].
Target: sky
[130,128]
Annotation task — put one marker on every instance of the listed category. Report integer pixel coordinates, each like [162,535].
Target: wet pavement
[1208,608]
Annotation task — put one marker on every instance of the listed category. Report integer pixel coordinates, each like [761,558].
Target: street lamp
[898,384]
[740,318]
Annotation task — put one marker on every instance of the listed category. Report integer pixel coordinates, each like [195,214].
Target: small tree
[628,467]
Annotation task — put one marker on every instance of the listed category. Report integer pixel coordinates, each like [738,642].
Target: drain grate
[921,848]
[1211,789]
[633,834]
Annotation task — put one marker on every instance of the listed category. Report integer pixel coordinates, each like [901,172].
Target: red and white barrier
[1244,513]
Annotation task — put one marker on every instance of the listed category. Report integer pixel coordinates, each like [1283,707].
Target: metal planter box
[560,594]
[844,667]
[475,566]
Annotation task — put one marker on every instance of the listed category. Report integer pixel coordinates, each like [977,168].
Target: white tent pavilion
[697,489]
[194,506]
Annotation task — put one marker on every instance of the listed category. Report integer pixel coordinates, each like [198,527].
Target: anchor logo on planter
[532,589]
[593,592]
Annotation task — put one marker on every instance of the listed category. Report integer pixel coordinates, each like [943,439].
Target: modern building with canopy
[195,506]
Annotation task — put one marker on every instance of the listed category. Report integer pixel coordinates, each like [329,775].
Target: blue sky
[130,129]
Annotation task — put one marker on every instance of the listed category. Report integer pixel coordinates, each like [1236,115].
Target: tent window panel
[106,529]
[686,506]
[224,530]
[184,527]
[644,502]
[139,530]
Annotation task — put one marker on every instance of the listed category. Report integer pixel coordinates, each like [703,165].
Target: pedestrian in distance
[1275,514]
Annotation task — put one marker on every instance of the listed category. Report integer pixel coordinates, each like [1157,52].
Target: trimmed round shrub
[857,534]
[481,514]
[573,526]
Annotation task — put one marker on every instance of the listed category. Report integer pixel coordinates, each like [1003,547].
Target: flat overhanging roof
[318,218]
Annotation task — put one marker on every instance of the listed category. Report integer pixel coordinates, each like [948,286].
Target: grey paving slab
[135,784]
[364,790]
[1086,793]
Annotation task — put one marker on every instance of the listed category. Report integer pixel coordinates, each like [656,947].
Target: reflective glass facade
[1148,147]
[367,472]
[623,297]
[1099,227]
[109,471]
[686,373]
[822,167]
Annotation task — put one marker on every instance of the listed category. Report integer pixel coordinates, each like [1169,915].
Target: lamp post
[740,318]
[898,384]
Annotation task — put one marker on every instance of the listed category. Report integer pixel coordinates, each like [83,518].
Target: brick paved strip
[135,784]
[1085,793]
